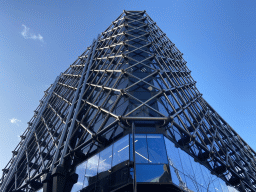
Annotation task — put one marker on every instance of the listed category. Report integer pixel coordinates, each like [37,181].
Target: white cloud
[15,121]
[27,35]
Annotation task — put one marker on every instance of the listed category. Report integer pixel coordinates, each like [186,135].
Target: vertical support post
[62,180]
[47,182]
[70,112]
[78,104]
[134,161]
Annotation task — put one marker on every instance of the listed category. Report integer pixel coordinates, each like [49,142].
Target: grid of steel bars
[108,104]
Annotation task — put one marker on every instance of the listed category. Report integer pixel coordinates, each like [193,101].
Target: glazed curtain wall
[102,163]
[194,175]
[154,163]
[150,155]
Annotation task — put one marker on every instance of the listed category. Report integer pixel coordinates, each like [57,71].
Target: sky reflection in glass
[105,160]
[151,163]
[196,176]
[120,151]
[80,170]
[92,166]
[141,149]
[156,148]
[149,148]
[152,173]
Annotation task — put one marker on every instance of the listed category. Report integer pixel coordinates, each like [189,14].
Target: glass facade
[151,158]
[91,169]
[153,173]
[191,175]
[149,148]
[105,161]
[157,161]
[100,165]
[120,151]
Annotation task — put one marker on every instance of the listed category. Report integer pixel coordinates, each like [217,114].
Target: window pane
[192,184]
[173,155]
[198,175]
[120,151]
[153,173]
[80,170]
[205,173]
[156,148]
[105,162]
[223,186]
[216,183]
[141,150]
[174,176]
[91,170]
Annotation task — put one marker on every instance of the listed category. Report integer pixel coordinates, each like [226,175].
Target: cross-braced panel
[131,73]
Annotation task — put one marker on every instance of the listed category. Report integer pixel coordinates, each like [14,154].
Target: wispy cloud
[28,35]
[15,121]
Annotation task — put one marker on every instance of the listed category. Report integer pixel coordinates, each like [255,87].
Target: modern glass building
[158,164]
[127,116]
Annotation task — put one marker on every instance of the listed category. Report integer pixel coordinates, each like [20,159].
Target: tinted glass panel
[141,150]
[174,175]
[223,186]
[91,170]
[195,176]
[186,165]
[173,155]
[153,173]
[198,175]
[156,148]
[105,161]
[120,151]
[80,170]
[192,184]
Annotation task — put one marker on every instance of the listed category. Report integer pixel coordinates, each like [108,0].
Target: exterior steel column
[78,104]
[60,176]
[69,115]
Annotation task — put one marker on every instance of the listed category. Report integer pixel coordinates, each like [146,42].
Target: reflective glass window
[186,165]
[153,173]
[120,151]
[80,170]
[91,170]
[198,175]
[205,173]
[174,175]
[216,183]
[223,186]
[173,155]
[182,180]
[232,189]
[85,183]
[192,184]
[156,148]
[141,149]
[105,161]
[212,185]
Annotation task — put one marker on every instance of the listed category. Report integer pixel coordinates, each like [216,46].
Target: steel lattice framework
[131,72]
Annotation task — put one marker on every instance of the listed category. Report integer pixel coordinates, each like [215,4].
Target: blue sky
[40,39]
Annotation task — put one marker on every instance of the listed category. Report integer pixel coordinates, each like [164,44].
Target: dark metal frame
[62,130]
